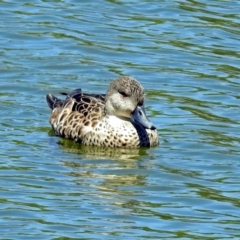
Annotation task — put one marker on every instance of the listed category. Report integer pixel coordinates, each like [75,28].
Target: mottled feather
[103,120]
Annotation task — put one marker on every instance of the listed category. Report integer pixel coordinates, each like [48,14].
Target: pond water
[186,54]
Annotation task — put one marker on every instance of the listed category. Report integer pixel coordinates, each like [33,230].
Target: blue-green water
[187,56]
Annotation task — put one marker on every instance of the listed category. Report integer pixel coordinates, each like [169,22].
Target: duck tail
[52,101]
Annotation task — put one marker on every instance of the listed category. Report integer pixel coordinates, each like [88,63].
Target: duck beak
[139,116]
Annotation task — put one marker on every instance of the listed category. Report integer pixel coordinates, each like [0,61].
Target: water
[186,55]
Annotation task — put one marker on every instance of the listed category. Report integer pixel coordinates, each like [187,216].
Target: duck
[116,119]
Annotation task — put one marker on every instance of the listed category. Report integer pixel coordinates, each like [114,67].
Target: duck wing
[77,114]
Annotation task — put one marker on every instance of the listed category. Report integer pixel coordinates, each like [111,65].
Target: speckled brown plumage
[111,120]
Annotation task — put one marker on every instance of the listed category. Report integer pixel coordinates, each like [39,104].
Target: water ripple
[186,55]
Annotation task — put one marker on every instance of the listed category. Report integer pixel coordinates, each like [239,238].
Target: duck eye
[123,94]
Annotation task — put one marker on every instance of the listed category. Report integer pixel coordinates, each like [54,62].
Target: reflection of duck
[116,119]
[96,152]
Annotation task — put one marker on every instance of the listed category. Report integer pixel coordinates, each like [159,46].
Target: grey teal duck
[115,119]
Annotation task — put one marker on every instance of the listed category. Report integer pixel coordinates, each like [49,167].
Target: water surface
[186,55]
